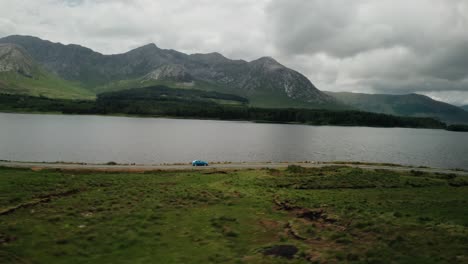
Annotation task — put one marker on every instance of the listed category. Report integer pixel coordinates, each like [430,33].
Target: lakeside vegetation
[23,103]
[458,128]
[161,101]
[297,215]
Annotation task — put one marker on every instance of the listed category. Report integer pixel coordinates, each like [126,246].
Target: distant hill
[20,74]
[414,105]
[265,82]
[464,107]
[164,94]
[161,101]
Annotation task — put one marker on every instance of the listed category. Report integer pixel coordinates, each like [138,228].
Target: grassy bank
[296,215]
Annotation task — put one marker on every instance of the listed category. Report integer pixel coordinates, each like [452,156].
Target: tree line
[161,101]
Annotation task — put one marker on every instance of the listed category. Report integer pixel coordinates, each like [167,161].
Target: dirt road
[213,166]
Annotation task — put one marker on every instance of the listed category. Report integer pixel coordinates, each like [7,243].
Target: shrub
[459,182]
[296,169]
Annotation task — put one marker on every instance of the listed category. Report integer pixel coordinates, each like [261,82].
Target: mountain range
[20,74]
[414,105]
[32,66]
[264,81]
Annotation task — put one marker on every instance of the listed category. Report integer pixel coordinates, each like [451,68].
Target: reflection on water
[98,139]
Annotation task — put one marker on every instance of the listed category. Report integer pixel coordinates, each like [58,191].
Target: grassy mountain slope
[164,93]
[185,103]
[404,105]
[43,84]
[165,101]
[256,98]
[20,74]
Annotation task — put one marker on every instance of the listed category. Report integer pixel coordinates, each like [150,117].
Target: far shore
[213,119]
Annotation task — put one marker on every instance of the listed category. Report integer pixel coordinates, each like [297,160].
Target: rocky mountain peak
[267,63]
[147,47]
[209,58]
[15,58]
[171,72]
[266,60]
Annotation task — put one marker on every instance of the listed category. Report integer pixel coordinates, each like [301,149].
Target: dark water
[98,139]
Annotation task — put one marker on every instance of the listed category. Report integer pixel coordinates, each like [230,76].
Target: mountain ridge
[415,105]
[14,58]
[20,74]
[251,79]
[264,81]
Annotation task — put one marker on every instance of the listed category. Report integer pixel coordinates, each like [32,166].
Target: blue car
[199,163]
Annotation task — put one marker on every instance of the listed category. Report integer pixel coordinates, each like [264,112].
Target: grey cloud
[387,46]
[344,28]
[449,62]
[73,2]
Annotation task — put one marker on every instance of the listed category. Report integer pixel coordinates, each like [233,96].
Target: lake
[99,139]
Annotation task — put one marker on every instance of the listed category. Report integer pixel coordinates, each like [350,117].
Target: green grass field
[332,214]
[42,84]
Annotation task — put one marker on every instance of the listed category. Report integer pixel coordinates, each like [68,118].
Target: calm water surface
[98,139]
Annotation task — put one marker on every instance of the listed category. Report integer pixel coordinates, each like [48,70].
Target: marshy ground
[295,215]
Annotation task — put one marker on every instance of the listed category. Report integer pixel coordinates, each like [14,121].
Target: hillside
[414,105]
[161,101]
[20,74]
[464,107]
[265,82]
[164,94]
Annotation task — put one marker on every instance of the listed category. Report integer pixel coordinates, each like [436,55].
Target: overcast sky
[375,46]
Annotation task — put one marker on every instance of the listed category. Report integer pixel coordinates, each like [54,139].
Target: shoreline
[115,167]
[220,120]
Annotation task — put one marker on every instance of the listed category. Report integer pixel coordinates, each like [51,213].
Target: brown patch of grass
[269,224]
[321,231]
[216,172]
[363,163]
[41,199]
[283,251]
[274,172]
